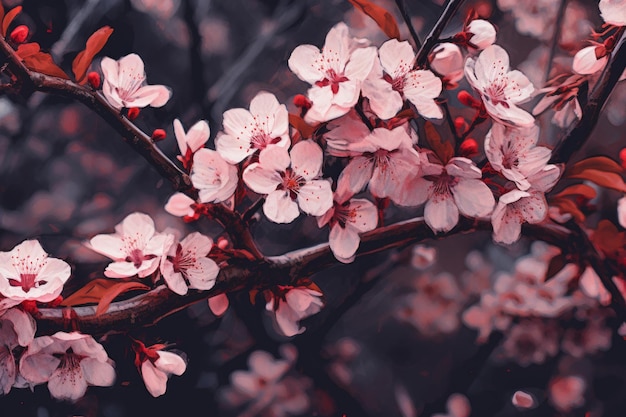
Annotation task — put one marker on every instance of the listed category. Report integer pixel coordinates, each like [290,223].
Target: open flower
[134,247]
[501,90]
[190,142]
[289,181]
[156,366]
[335,73]
[348,218]
[613,12]
[513,152]
[395,79]
[292,305]
[17,328]
[246,132]
[124,84]
[68,362]
[185,265]
[27,273]
[215,179]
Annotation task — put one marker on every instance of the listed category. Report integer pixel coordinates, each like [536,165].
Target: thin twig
[558,26]
[433,37]
[407,20]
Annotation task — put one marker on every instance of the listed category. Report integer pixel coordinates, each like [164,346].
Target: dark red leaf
[95,43]
[8,18]
[382,17]
[113,292]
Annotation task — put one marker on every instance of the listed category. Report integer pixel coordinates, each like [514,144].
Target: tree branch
[435,33]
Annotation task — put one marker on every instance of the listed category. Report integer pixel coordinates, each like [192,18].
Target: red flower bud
[302,101]
[133,113]
[468,148]
[466,98]
[19,34]
[460,125]
[158,134]
[93,78]
[622,157]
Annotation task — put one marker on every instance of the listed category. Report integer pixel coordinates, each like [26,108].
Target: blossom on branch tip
[393,79]
[289,181]
[215,179]
[335,73]
[27,273]
[483,33]
[157,366]
[246,132]
[125,84]
[68,362]
[292,305]
[587,61]
[501,89]
[185,264]
[135,247]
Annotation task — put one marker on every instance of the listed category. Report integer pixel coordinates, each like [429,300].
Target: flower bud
[467,99]
[133,113]
[19,34]
[622,157]
[468,148]
[447,60]
[302,101]
[93,78]
[158,135]
[460,125]
[483,33]
[586,61]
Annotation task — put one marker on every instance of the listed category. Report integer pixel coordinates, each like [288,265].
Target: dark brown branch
[407,20]
[576,137]
[433,37]
[558,26]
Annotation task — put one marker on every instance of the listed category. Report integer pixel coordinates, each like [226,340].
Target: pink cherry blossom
[530,341]
[295,304]
[246,132]
[594,337]
[335,73]
[483,33]
[345,135]
[190,142]
[613,12]
[447,61]
[586,61]
[513,152]
[180,205]
[347,219]
[17,328]
[517,207]
[501,90]
[386,161]
[215,179]
[567,392]
[157,368]
[532,17]
[289,180]
[452,189]
[27,273]
[134,247]
[185,265]
[68,362]
[124,84]
[423,257]
[394,79]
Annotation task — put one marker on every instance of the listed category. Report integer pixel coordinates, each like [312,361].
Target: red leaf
[578,190]
[305,129]
[443,150]
[27,49]
[95,43]
[8,18]
[608,238]
[605,179]
[568,206]
[114,291]
[91,293]
[598,163]
[382,17]
[42,62]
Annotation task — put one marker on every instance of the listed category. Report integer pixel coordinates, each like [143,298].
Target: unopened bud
[447,60]
[93,78]
[302,101]
[133,113]
[19,34]
[586,61]
[483,33]
[158,134]
[622,157]
[222,243]
[468,148]
[466,98]
[460,124]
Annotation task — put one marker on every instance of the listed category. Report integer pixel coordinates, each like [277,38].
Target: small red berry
[158,134]
[622,157]
[19,34]
[468,148]
[133,113]
[466,98]
[93,78]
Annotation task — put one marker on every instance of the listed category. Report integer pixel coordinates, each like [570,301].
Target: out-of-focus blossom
[68,362]
[447,61]
[567,392]
[289,180]
[501,89]
[592,338]
[185,265]
[27,273]
[395,79]
[613,12]
[530,341]
[533,17]
[125,84]
[587,61]
[513,152]
[523,400]
[621,211]
[156,366]
[215,179]
[265,390]
[135,247]
[292,305]
[335,73]
[423,257]
[457,406]
[483,33]
[592,286]
[219,304]
[17,328]
[246,132]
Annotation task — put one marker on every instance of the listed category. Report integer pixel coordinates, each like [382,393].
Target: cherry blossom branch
[433,37]
[407,20]
[581,131]
[558,26]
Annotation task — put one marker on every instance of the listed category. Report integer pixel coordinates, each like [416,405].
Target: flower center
[397,84]
[291,182]
[333,79]
[28,269]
